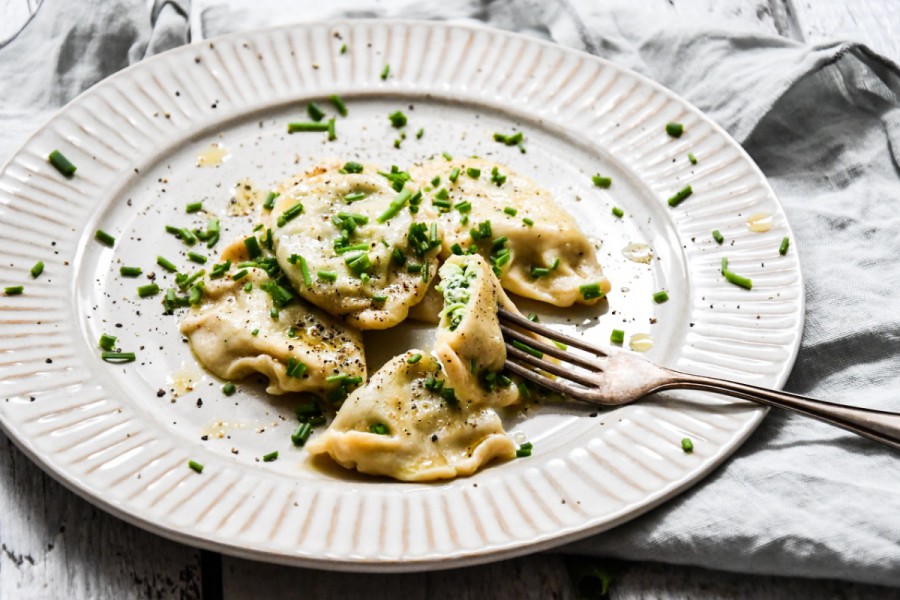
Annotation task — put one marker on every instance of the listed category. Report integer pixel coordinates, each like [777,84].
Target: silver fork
[612,377]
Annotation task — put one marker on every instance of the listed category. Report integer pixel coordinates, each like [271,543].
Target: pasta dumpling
[353,242]
[535,247]
[407,423]
[233,334]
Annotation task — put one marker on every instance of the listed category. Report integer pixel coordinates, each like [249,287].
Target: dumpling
[234,332]
[534,245]
[469,343]
[354,245]
[406,423]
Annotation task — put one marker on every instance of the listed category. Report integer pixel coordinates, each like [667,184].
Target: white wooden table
[56,545]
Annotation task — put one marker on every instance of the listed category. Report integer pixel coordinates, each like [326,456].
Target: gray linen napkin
[823,122]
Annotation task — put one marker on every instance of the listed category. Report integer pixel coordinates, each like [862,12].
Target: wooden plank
[541,577]
[875,23]
[56,545]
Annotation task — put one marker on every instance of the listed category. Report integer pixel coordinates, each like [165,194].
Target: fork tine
[581,361]
[543,380]
[550,367]
[548,333]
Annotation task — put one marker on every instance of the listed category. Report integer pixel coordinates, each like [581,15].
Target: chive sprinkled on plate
[104,238]
[524,450]
[107,342]
[782,249]
[447,156]
[252,246]
[717,235]
[343,49]
[301,434]
[118,357]
[270,457]
[454,175]
[420,133]
[397,119]
[692,158]
[339,104]
[229,388]
[145,291]
[681,196]
[674,129]
[332,132]
[305,127]
[512,139]
[617,336]
[61,163]
[511,211]
[687,445]
[197,258]
[618,212]
[660,296]
[601,182]
[315,113]
[195,466]
[528,222]
[38,268]
[738,280]
[193,207]
[269,203]
[130,271]
[385,72]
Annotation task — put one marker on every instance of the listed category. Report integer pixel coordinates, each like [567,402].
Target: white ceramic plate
[104,431]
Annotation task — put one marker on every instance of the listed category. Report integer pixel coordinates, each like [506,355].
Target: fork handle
[877,425]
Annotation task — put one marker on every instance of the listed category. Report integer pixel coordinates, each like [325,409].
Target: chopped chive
[718,236]
[526,348]
[617,336]
[195,295]
[315,113]
[193,207]
[396,206]
[533,317]
[336,377]
[511,211]
[420,133]
[212,230]
[38,268]
[239,275]
[290,214]
[738,280]
[301,434]
[123,271]
[354,196]
[660,296]
[332,132]
[385,72]
[61,163]
[457,249]
[229,389]
[145,291]
[248,287]
[782,249]
[104,238]
[413,268]
[590,291]
[692,158]
[527,221]
[353,167]
[269,204]
[195,466]
[511,139]
[183,281]
[414,359]
[338,103]
[379,299]
[496,177]
[187,236]
[618,212]
[197,258]
[447,156]
[271,456]
[601,182]
[255,332]
[454,175]
[524,450]
[107,342]
[674,129]
[398,119]
[344,49]
[327,275]
[304,271]
[463,207]
[220,269]
[473,172]
[687,445]
[252,246]
[681,196]
[537,272]
[118,357]
[304,127]
[436,181]
[555,264]
[724,265]
[379,429]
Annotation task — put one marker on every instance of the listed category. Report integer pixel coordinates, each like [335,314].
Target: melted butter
[641,342]
[185,379]
[213,156]
[245,198]
[638,252]
[218,428]
[760,222]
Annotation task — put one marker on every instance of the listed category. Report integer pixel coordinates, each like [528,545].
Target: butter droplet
[638,252]
[213,156]
[760,222]
[641,342]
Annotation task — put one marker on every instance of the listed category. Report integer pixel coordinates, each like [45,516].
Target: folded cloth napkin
[823,122]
